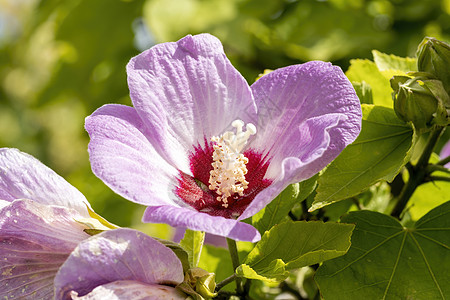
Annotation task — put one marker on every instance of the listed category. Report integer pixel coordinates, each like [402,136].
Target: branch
[417,173]
[226,281]
[444,161]
[235,261]
[439,178]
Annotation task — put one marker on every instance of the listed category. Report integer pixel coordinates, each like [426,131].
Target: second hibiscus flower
[203,149]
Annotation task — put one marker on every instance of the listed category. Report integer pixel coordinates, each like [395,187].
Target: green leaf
[377,74]
[386,62]
[192,242]
[217,260]
[380,151]
[275,272]
[292,245]
[364,92]
[366,71]
[279,208]
[388,261]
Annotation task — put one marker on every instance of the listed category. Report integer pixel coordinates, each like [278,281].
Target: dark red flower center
[194,190]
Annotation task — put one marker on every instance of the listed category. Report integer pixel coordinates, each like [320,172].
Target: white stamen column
[228,175]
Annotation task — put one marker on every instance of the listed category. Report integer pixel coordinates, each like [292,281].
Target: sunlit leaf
[217,260]
[364,70]
[279,208]
[401,65]
[274,272]
[388,261]
[364,92]
[292,245]
[192,242]
[381,150]
[377,74]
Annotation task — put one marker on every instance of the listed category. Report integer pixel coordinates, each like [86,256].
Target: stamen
[229,165]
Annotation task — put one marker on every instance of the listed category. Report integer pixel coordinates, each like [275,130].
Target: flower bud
[206,284]
[199,283]
[433,56]
[420,100]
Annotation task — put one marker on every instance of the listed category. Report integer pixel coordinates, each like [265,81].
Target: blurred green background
[60,60]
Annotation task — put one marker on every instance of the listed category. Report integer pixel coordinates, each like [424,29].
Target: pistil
[229,165]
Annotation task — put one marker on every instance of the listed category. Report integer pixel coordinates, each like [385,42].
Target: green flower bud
[206,285]
[433,56]
[420,100]
[199,284]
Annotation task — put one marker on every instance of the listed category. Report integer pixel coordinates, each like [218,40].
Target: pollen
[229,165]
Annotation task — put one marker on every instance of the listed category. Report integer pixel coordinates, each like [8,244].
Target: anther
[229,165]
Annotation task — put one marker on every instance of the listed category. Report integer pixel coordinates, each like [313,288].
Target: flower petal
[314,134]
[126,290]
[24,177]
[307,115]
[186,218]
[308,111]
[186,91]
[289,168]
[124,159]
[35,240]
[4,203]
[119,254]
[445,152]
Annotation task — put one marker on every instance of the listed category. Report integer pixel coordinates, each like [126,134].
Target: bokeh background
[60,60]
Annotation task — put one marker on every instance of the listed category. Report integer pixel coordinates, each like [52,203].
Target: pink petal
[24,177]
[35,240]
[307,115]
[308,111]
[445,152]
[186,218]
[125,160]
[185,92]
[126,290]
[120,254]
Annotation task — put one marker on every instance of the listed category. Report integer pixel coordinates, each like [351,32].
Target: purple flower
[120,264]
[445,152]
[203,150]
[42,218]
[45,253]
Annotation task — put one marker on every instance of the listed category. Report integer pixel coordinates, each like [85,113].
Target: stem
[226,281]
[432,168]
[432,140]
[444,161]
[439,178]
[247,285]
[417,174]
[235,261]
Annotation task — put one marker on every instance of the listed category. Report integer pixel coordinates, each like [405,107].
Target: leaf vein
[367,252]
[428,266]
[395,266]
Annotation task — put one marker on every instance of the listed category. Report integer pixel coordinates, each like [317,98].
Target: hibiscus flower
[47,254]
[204,150]
[42,219]
[120,264]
